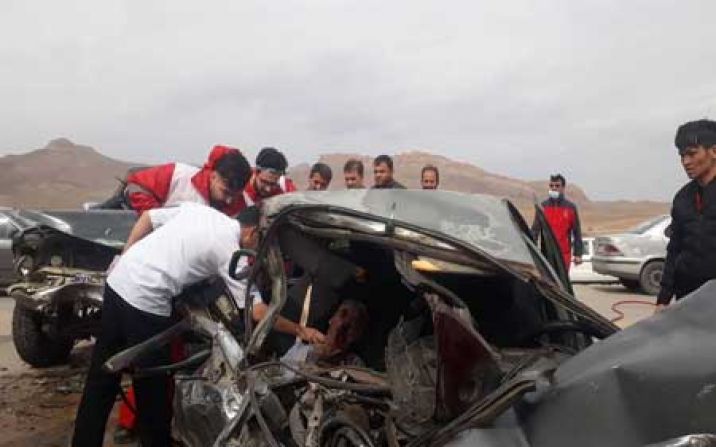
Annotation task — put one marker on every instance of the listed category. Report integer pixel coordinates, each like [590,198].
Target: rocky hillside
[60,175]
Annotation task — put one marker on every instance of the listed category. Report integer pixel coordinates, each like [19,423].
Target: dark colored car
[59,259]
[473,338]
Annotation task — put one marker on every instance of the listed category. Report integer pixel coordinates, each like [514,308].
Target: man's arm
[673,248]
[307,334]
[147,222]
[141,228]
[578,244]
[148,188]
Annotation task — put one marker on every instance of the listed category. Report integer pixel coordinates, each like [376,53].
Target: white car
[583,273]
[636,257]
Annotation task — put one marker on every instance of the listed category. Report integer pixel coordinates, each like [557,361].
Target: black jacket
[691,252]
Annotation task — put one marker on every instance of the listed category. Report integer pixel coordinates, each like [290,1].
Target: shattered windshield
[481,221]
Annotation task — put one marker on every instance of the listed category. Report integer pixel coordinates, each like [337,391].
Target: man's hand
[577,260]
[659,308]
[310,335]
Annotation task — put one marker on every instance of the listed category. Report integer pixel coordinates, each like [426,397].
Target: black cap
[249,216]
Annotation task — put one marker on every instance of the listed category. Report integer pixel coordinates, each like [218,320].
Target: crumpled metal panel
[651,382]
[205,403]
[481,221]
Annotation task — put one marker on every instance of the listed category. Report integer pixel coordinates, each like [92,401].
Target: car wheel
[32,344]
[631,284]
[650,278]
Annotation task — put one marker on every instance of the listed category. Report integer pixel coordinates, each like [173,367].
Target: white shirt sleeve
[237,288]
[160,216]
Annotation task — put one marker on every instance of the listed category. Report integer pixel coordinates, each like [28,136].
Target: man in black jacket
[691,253]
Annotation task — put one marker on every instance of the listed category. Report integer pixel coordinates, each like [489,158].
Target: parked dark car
[59,260]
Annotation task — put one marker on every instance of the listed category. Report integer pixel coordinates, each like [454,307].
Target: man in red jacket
[268,178]
[218,183]
[562,216]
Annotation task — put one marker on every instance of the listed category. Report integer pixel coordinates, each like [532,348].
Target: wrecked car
[472,338]
[60,259]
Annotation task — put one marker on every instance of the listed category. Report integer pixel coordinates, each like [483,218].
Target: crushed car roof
[481,221]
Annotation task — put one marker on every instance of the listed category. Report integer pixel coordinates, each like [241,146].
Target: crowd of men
[320,175]
[172,247]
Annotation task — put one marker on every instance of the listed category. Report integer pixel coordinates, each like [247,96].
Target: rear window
[646,226]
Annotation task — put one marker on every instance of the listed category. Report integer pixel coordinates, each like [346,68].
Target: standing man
[691,252]
[383,173]
[563,219]
[320,177]
[269,177]
[429,177]
[353,174]
[167,250]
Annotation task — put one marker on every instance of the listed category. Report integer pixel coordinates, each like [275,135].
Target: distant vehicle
[584,273]
[635,257]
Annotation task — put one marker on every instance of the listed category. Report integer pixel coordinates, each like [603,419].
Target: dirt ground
[37,406]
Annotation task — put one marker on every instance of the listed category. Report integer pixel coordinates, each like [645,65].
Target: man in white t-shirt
[183,245]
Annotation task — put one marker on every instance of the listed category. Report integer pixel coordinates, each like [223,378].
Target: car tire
[650,277]
[631,284]
[32,344]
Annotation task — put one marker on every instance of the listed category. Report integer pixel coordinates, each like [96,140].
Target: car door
[550,248]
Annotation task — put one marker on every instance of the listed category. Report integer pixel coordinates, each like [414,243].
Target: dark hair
[383,159]
[354,164]
[558,178]
[431,168]
[323,170]
[234,168]
[249,216]
[271,158]
[696,133]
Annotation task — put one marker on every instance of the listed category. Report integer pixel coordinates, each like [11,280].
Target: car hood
[653,381]
[107,227]
[479,221]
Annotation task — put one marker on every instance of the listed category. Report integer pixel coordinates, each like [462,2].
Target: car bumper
[621,267]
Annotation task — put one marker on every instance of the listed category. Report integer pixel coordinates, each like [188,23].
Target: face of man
[556,188]
[317,183]
[353,180]
[429,180]
[345,327]
[265,182]
[382,174]
[219,192]
[699,162]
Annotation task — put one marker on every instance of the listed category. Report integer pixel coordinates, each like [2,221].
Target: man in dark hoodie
[691,252]
[383,173]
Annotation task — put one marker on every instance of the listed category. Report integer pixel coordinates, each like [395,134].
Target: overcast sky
[592,89]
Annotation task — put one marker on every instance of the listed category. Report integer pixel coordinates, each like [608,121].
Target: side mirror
[235,258]
[668,231]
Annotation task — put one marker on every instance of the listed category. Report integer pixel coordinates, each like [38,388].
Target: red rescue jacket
[562,216]
[251,196]
[173,183]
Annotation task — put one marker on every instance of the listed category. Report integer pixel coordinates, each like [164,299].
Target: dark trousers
[124,326]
